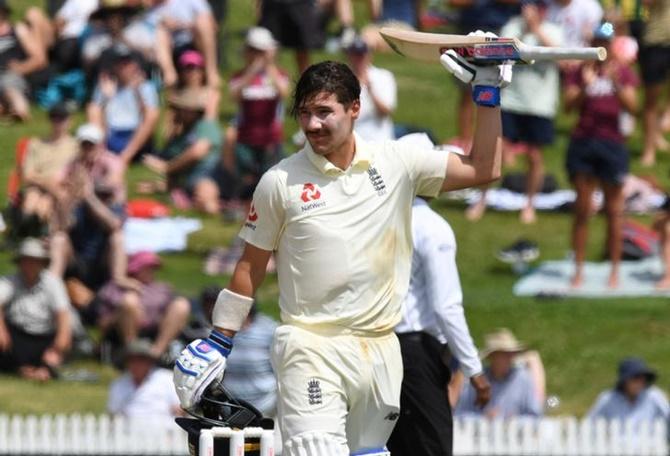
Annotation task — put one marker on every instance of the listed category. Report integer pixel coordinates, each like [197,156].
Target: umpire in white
[432,320]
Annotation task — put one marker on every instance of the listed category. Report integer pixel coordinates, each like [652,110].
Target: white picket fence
[102,435]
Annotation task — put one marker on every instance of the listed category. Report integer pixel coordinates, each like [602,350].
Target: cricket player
[337,214]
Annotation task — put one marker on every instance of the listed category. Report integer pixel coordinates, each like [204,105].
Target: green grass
[580,340]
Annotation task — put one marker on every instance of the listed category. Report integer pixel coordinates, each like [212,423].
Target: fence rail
[104,435]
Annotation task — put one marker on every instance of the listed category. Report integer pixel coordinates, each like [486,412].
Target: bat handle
[539,53]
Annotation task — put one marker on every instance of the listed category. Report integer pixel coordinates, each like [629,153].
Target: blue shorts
[526,128]
[600,158]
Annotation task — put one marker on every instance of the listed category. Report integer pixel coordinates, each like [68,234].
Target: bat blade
[428,47]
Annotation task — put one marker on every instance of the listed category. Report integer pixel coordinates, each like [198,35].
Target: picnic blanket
[160,234]
[552,278]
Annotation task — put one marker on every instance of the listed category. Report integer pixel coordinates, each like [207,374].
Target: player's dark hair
[330,77]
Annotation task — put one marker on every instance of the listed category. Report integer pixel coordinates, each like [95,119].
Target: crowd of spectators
[114,60]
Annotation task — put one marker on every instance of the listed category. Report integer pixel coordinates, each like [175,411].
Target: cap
[141,260]
[60,110]
[357,46]
[260,38]
[90,133]
[604,31]
[141,348]
[32,248]
[634,367]
[189,99]
[191,58]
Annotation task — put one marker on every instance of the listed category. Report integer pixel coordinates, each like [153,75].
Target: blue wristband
[486,95]
[222,343]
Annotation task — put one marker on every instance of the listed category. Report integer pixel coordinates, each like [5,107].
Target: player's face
[327,123]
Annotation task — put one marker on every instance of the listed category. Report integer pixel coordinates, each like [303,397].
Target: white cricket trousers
[341,385]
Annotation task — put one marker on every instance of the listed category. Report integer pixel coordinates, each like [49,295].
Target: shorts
[338,384]
[526,128]
[294,24]
[27,349]
[117,140]
[655,64]
[10,80]
[251,162]
[601,158]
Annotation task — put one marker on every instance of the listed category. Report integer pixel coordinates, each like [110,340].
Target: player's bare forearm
[483,164]
[248,275]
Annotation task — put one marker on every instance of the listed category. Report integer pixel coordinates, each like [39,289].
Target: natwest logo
[310,192]
[253,216]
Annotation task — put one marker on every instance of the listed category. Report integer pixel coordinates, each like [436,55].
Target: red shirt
[260,116]
[599,115]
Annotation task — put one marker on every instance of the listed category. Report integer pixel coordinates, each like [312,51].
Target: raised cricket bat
[479,49]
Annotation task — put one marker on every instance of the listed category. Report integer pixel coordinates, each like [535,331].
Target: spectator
[108,29]
[20,56]
[150,308]
[259,89]
[634,397]
[597,154]
[89,243]
[144,391]
[378,94]
[35,332]
[192,78]
[44,164]
[433,323]
[191,156]
[394,13]
[577,18]
[529,104]
[127,106]
[295,23]
[655,69]
[184,25]
[249,374]
[513,392]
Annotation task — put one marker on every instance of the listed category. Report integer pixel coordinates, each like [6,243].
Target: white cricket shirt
[343,238]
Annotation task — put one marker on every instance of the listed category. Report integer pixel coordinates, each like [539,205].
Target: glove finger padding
[458,66]
[198,365]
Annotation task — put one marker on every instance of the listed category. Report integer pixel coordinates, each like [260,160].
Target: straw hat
[502,340]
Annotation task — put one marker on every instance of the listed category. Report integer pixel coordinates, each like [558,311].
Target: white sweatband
[231,310]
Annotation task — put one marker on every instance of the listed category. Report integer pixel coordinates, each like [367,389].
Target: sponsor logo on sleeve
[252,217]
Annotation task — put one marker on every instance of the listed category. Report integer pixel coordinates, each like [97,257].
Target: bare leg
[118,261]
[584,186]
[206,196]
[477,210]
[18,103]
[61,252]
[614,204]
[652,94]
[205,33]
[129,317]
[164,57]
[173,322]
[534,182]
[302,59]
[663,227]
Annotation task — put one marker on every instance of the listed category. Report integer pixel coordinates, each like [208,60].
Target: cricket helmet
[218,408]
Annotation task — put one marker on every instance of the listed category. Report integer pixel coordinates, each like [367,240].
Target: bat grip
[539,53]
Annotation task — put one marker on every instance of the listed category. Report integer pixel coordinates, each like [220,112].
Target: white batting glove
[486,80]
[200,364]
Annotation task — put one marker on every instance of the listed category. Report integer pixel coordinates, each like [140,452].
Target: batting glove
[486,80]
[200,364]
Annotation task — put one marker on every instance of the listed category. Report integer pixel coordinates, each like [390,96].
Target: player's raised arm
[483,163]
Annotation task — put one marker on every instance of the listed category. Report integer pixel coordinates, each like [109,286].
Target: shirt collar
[362,158]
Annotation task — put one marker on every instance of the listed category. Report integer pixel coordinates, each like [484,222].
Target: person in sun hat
[513,392]
[35,329]
[634,396]
[152,308]
[191,155]
[144,390]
